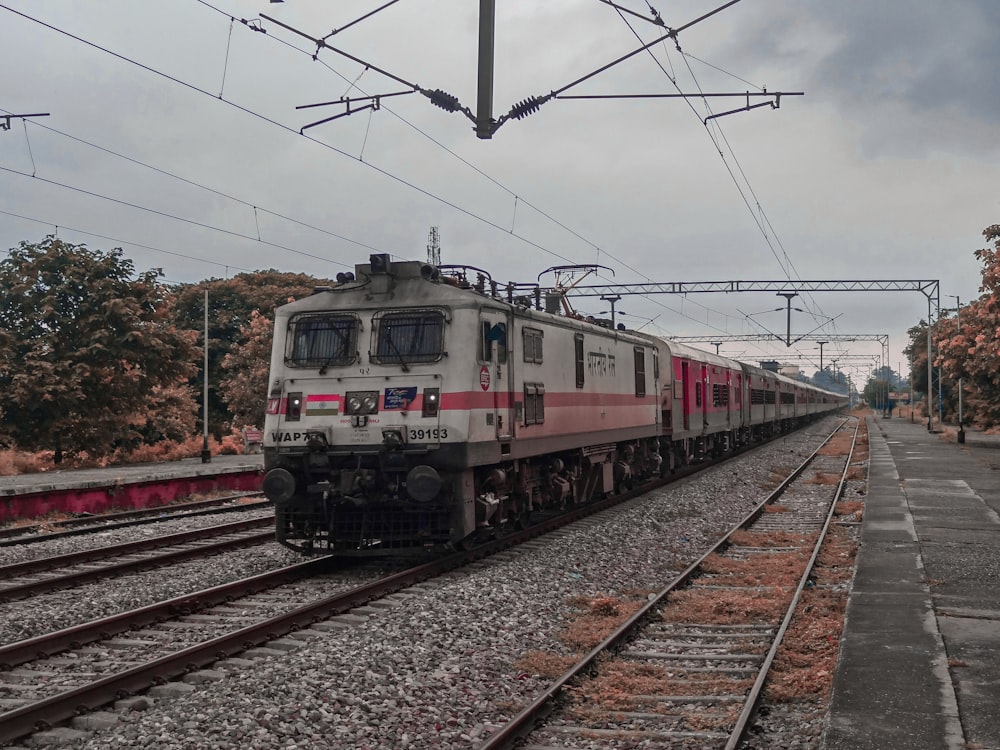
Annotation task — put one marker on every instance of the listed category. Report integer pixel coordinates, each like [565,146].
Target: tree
[231,304]
[89,343]
[968,351]
[244,387]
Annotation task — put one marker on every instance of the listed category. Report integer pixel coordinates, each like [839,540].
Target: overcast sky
[173,133]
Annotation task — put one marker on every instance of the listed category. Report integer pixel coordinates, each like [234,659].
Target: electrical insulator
[527,107]
[444,100]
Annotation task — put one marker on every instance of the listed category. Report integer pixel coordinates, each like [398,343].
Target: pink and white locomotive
[410,407]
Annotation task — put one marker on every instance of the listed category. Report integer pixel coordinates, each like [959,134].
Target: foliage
[87,344]
[966,344]
[169,413]
[232,303]
[244,387]
[14,462]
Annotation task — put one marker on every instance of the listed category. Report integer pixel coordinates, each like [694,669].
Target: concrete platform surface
[48,481]
[920,656]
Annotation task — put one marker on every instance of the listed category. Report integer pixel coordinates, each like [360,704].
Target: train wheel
[520,520]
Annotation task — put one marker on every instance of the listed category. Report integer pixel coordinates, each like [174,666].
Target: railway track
[23,579]
[67,527]
[687,670]
[178,638]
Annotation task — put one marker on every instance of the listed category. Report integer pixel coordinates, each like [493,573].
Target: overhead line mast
[485,124]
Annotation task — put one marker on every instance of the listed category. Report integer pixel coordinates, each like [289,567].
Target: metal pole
[484,103]
[206,454]
[930,371]
[788,315]
[613,299]
[912,405]
[958,327]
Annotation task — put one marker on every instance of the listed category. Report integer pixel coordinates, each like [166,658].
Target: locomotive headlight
[432,402]
[361,402]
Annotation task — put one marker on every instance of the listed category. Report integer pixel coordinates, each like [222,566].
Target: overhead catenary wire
[410,185]
[760,220]
[131,243]
[273,122]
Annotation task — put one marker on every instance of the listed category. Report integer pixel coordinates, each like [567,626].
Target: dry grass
[838,445]
[857,473]
[837,557]
[544,664]
[13,463]
[599,619]
[805,664]
[781,569]
[727,607]
[745,538]
[619,682]
[850,510]
[824,478]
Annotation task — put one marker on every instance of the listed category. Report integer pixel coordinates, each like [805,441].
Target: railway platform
[919,663]
[124,487]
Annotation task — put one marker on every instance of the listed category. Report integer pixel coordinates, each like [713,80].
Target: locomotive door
[686,393]
[703,395]
[499,382]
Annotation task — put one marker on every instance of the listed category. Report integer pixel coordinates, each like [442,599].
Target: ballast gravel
[440,667]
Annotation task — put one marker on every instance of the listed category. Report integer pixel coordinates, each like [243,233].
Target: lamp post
[821,345]
[206,454]
[717,344]
[958,329]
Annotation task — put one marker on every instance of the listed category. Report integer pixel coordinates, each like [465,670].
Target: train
[412,406]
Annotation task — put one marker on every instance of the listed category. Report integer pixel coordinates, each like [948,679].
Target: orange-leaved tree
[967,345]
[244,386]
[231,305]
[88,343]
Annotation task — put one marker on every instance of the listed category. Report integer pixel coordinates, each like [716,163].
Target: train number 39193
[431,433]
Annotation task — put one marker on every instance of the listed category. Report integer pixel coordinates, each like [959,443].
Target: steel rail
[75,636]
[127,548]
[42,585]
[13,535]
[522,724]
[753,697]
[58,708]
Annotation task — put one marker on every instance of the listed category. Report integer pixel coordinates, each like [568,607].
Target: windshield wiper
[392,344]
[336,355]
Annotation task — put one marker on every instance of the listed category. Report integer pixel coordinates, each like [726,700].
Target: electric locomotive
[409,406]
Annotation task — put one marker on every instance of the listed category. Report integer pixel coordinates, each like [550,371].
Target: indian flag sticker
[318,405]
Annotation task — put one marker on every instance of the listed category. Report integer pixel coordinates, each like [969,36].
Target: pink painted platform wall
[123,496]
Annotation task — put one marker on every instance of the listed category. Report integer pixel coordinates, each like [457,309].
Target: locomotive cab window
[322,340]
[493,333]
[532,339]
[409,337]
